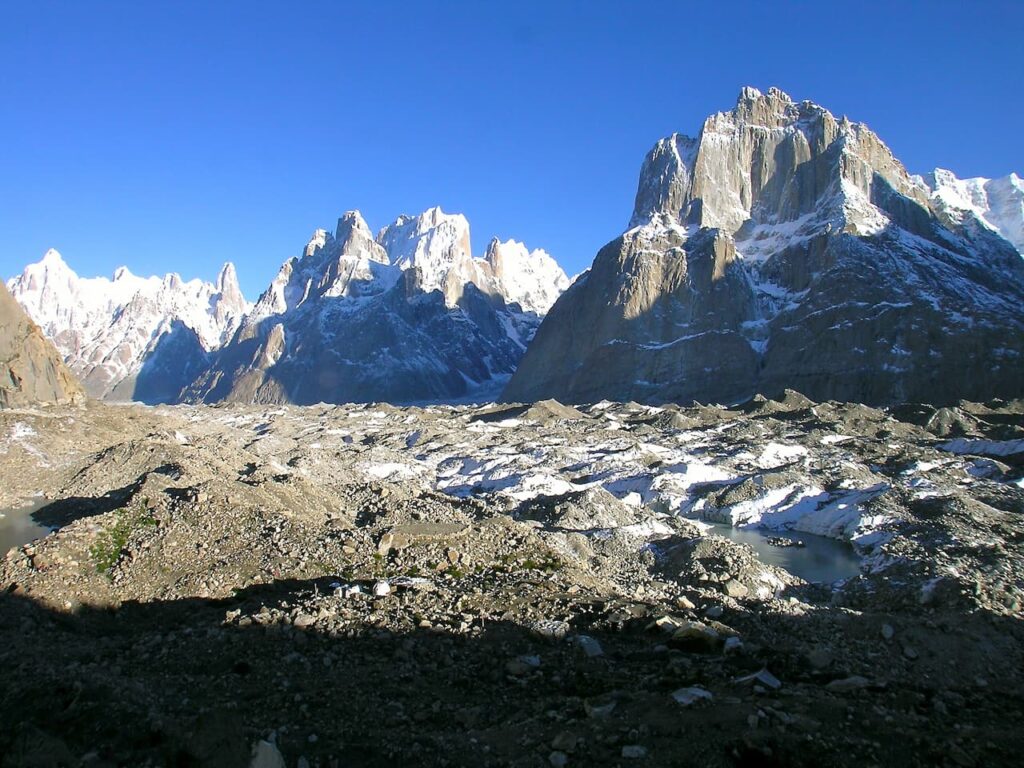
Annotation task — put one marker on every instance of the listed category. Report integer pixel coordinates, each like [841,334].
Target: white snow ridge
[106,328]
[997,203]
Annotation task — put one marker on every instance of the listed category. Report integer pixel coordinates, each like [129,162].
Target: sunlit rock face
[31,370]
[785,248]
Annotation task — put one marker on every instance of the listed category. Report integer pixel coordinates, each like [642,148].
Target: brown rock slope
[31,370]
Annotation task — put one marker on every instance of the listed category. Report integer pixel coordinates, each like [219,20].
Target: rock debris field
[510,585]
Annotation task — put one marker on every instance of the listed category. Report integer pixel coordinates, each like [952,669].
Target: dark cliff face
[31,370]
[784,248]
[405,346]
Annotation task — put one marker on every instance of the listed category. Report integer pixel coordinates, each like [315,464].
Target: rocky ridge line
[407,316]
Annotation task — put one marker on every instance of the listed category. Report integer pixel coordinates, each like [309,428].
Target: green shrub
[109,546]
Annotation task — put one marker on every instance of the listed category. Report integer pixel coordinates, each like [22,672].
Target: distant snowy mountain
[130,338]
[786,248]
[998,203]
[531,279]
[407,316]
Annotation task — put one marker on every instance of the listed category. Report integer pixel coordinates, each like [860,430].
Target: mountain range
[781,248]
[408,315]
[131,337]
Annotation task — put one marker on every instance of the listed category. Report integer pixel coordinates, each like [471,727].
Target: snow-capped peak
[49,270]
[997,203]
[438,245]
[433,240]
[105,328]
[53,259]
[531,278]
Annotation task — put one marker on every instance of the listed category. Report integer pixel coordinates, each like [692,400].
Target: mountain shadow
[174,362]
[195,682]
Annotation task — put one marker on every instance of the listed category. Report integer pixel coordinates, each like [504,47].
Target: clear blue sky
[174,136]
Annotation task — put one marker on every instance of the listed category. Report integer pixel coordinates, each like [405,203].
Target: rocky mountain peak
[772,162]
[356,240]
[771,109]
[353,233]
[785,248]
[227,280]
[230,301]
[346,263]
[317,241]
[351,220]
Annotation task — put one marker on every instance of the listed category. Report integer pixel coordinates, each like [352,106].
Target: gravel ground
[510,585]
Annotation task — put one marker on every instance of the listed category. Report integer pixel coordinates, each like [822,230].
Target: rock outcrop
[31,370]
[785,248]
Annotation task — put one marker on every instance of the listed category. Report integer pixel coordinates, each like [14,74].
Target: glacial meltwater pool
[17,526]
[820,559]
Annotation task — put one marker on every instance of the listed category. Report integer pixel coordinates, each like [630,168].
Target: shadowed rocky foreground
[510,585]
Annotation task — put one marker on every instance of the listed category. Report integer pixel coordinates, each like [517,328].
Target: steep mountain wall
[785,248]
